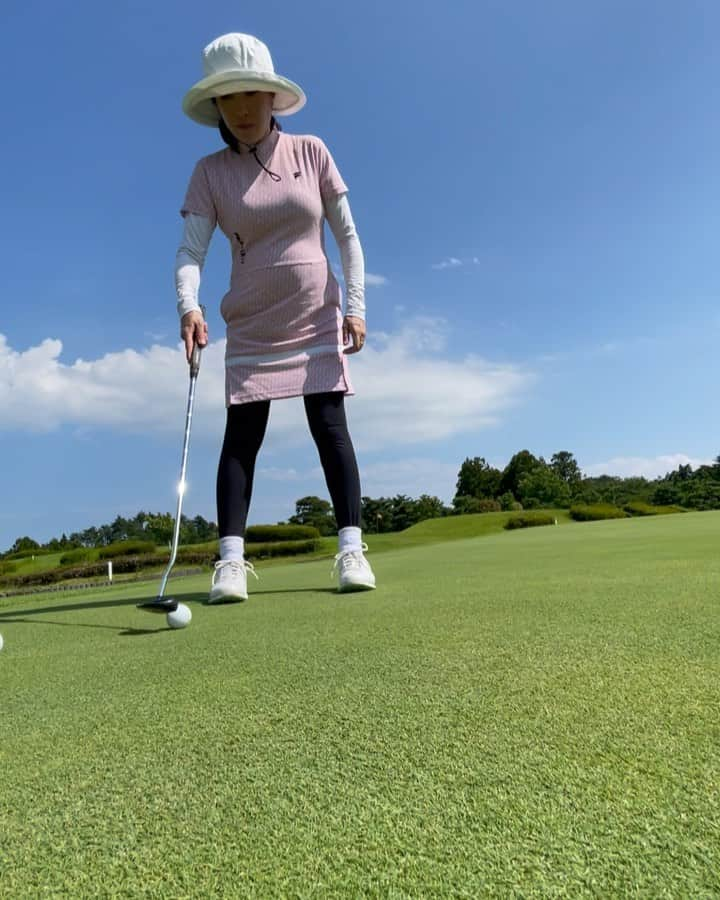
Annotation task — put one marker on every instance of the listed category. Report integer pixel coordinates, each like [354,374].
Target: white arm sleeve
[189,261]
[340,220]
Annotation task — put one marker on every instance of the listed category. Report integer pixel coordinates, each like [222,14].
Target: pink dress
[283,309]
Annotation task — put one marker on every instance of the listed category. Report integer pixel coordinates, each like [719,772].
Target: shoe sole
[229,598]
[353,588]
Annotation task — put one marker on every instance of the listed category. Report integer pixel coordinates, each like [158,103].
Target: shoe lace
[233,568]
[349,559]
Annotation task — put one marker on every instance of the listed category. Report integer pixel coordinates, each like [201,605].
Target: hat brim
[198,102]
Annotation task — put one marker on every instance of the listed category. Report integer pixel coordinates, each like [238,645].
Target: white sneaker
[354,572]
[229,581]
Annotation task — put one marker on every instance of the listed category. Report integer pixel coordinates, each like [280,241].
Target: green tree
[543,487]
[405,512]
[159,528]
[120,530]
[427,507]
[62,543]
[23,545]
[477,478]
[521,464]
[317,512]
[464,505]
[565,466]
[204,530]
[507,502]
[376,514]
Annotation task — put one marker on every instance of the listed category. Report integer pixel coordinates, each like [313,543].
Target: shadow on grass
[124,632]
[36,615]
[252,595]
[98,604]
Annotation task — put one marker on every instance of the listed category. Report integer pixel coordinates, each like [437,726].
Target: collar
[267,144]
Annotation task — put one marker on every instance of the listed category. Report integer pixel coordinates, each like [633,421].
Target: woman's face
[247,114]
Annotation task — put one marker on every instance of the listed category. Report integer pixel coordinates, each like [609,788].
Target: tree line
[527,482]
[156,528]
[532,482]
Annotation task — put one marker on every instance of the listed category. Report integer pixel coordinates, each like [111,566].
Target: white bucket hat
[239,62]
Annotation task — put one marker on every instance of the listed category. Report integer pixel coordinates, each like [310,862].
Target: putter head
[159,605]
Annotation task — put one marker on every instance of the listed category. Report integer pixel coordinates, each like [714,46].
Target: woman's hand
[193,330]
[353,331]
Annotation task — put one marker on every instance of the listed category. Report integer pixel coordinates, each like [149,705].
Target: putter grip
[195,360]
[196,354]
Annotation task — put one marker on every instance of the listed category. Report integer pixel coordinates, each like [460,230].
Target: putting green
[524,714]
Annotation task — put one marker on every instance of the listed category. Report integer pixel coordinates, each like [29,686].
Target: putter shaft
[161,603]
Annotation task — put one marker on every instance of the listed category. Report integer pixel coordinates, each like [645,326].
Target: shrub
[50,576]
[282,548]
[126,548]
[586,513]
[186,556]
[638,508]
[465,506]
[260,534]
[208,547]
[508,503]
[80,555]
[194,555]
[529,520]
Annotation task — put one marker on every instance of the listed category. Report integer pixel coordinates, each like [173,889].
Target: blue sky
[537,191]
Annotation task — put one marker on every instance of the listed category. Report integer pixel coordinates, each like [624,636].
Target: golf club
[161,603]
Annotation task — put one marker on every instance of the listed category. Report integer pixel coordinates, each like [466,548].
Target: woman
[270,193]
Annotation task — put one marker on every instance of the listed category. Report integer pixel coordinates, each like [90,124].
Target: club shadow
[24,621]
[139,632]
[98,604]
[123,632]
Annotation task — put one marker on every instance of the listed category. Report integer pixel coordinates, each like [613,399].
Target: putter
[161,603]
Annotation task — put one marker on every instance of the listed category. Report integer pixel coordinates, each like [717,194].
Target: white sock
[232,547]
[349,538]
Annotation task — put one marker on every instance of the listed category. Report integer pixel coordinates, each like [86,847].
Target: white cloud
[408,392]
[642,467]
[450,262]
[135,390]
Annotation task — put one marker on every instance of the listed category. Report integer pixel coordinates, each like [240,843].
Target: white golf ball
[1,642]
[180,617]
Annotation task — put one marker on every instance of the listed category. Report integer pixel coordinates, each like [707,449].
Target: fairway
[529,714]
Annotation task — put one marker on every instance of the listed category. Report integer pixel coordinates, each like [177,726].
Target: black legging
[244,433]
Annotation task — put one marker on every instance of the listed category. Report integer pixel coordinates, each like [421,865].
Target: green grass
[526,714]
[430,531]
[41,563]
[438,531]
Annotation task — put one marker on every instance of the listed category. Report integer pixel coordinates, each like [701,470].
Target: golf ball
[1,642]
[180,617]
